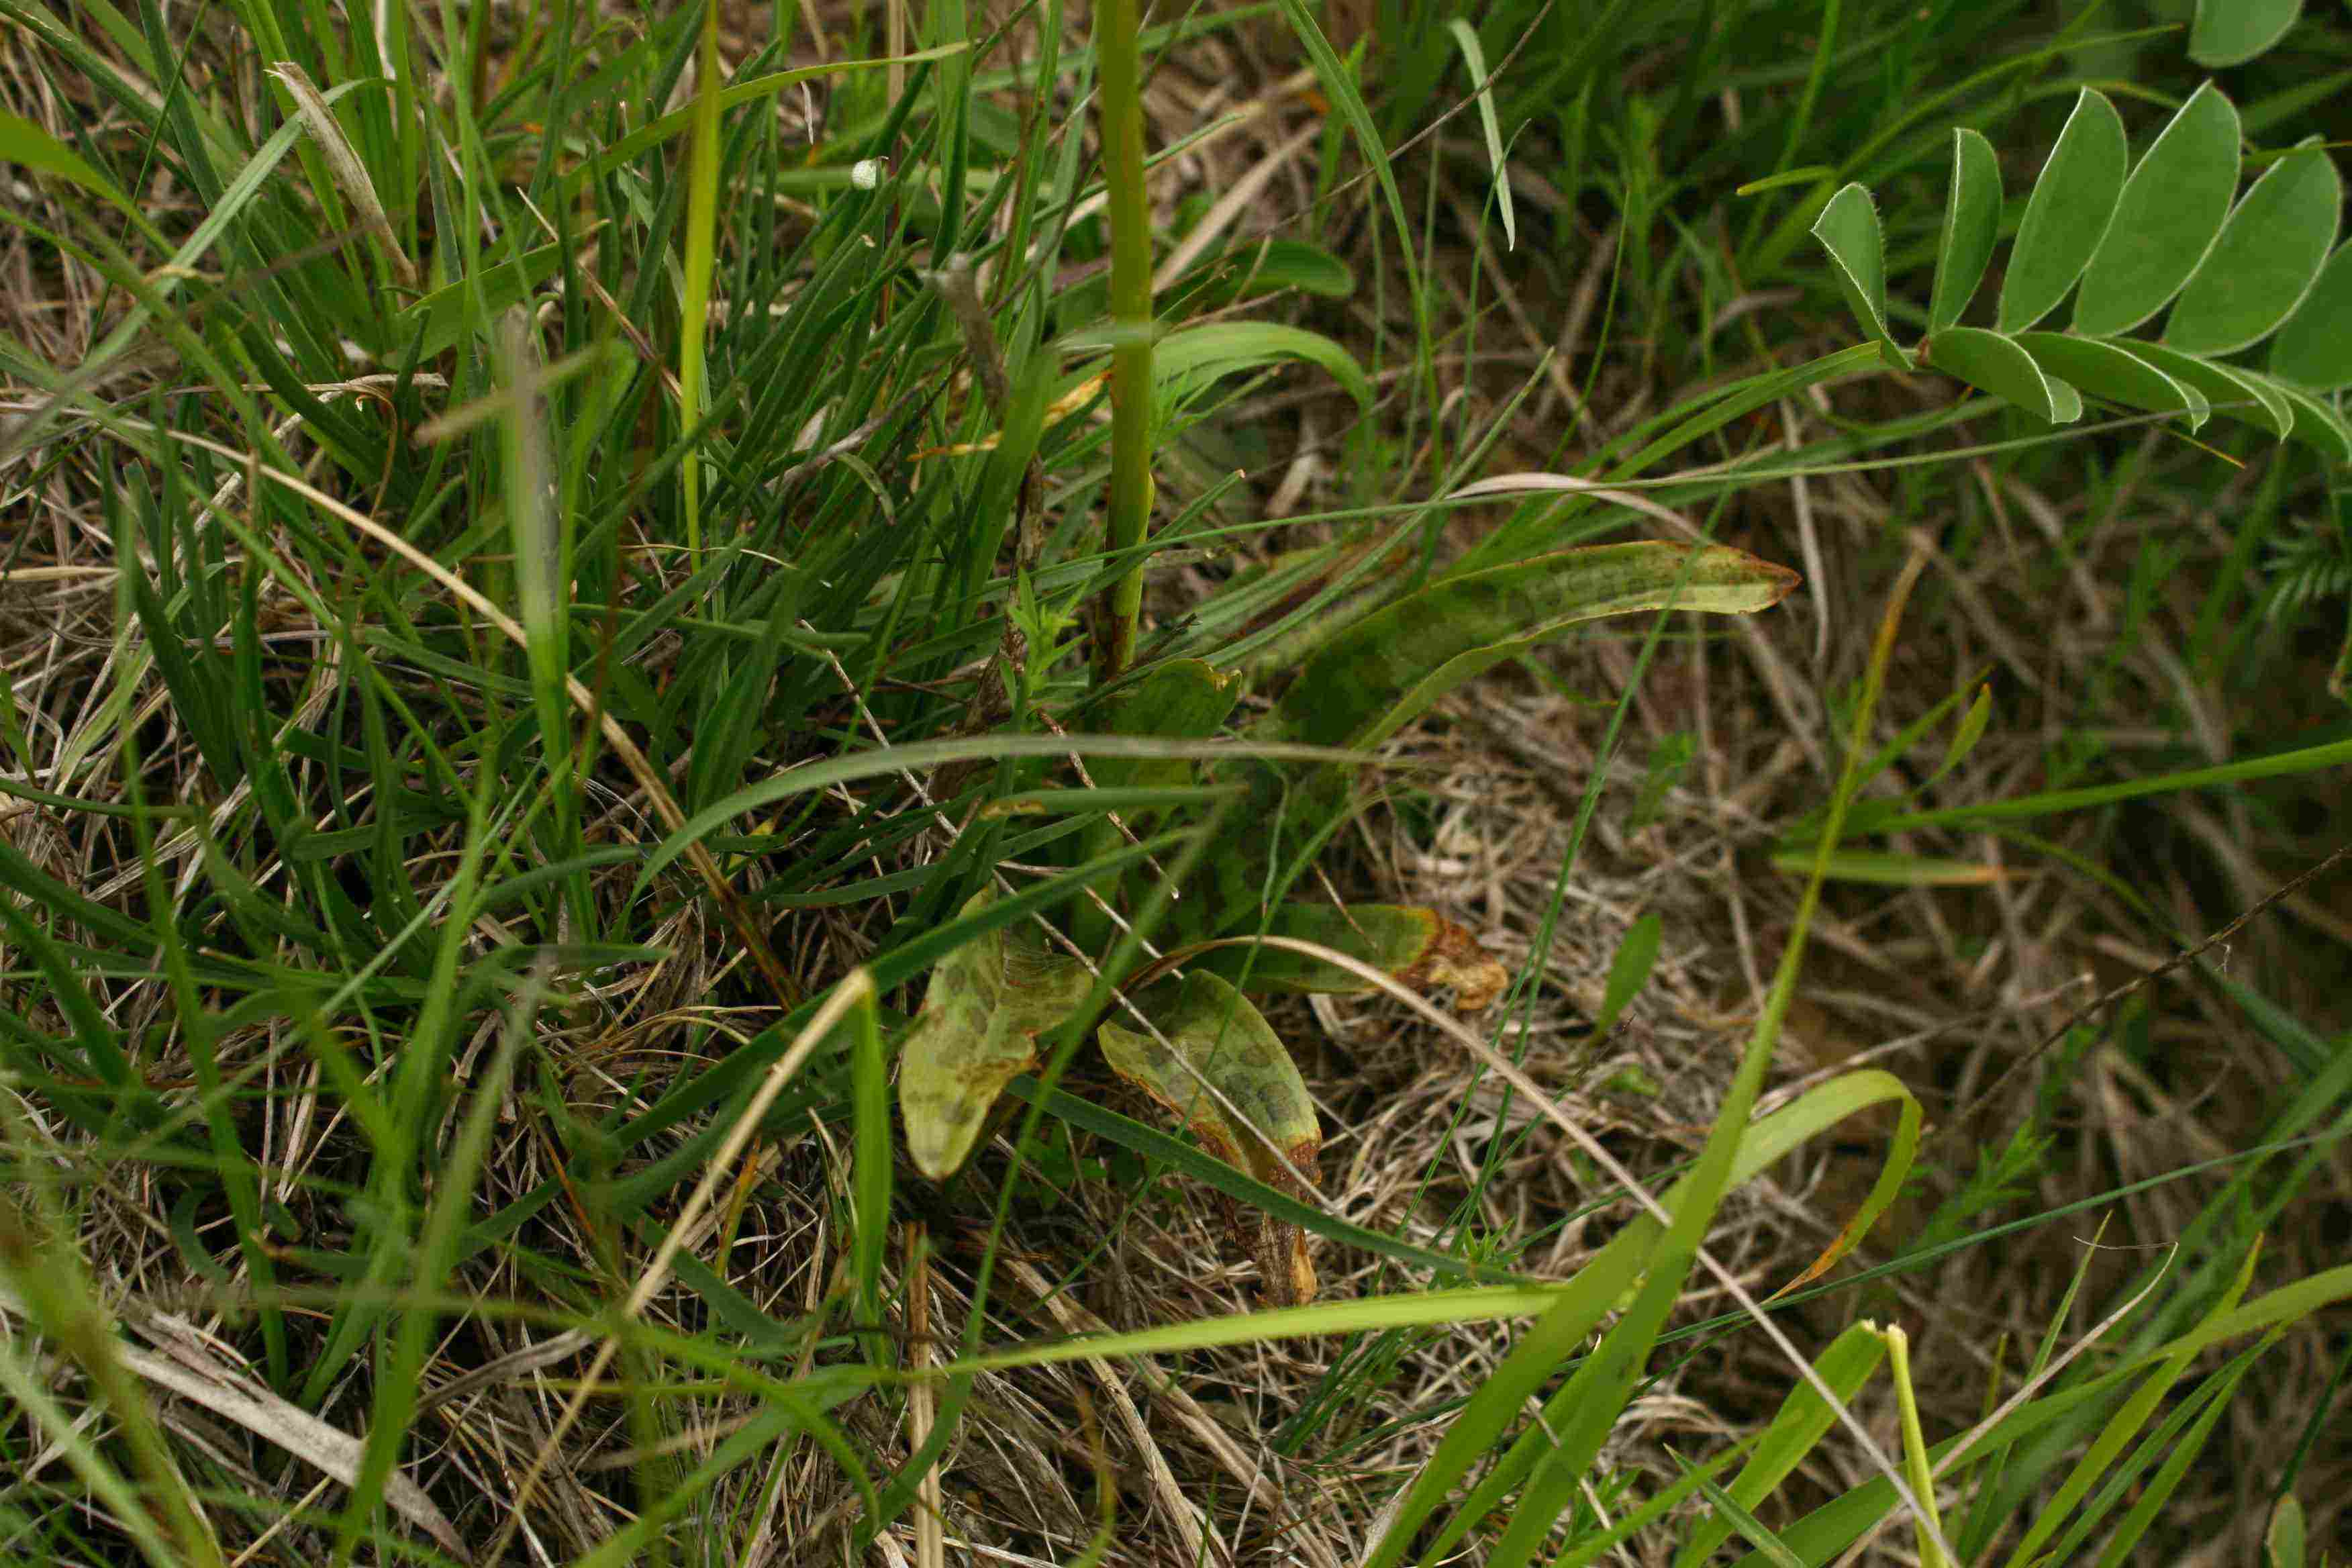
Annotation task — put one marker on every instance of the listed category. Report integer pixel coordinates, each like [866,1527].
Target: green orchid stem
[1115,611]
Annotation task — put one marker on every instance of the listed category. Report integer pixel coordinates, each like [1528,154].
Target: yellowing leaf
[977,1030]
[1225,1073]
[1418,946]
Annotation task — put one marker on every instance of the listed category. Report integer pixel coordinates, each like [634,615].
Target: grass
[566,576]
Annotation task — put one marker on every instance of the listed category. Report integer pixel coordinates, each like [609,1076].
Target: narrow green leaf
[1887,869]
[1268,266]
[1418,946]
[1637,954]
[1481,87]
[2267,258]
[1992,363]
[2314,349]
[1186,363]
[988,1001]
[1803,1418]
[2231,32]
[2227,390]
[1225,1073]
[1970,731]
[2067,216]
[1848,230]
[1971,228]
[24,143]
[1387,668]
[2172,210]
[1770,1547]
[2115,372]
[871,1164]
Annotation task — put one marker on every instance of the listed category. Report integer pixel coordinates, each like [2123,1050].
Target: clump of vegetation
[686,693]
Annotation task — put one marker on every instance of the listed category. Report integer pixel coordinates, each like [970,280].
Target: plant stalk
[1115,612]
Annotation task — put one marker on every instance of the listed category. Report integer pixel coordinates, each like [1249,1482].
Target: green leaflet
[1220,1053]
[1418,946]
[2314,349]
[2171,208]
[1848,230]
[2231,32]
[2248,398]
[2267,257]
[989,1001]
[1993,362]
[1380,672]
[1971,226]
[2316,424]
[2115,372]
[2067,216]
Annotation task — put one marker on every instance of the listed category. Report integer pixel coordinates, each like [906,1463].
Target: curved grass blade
[2314,348]
[1971,228]
[2115,372]
[1225,1073]
[1848,230]
[1481,87]
[2266,260]
[1391,665]
[2231,32]
[1185,362]
[2067,215]
[988,1001]
[1990,362]
[2170,214]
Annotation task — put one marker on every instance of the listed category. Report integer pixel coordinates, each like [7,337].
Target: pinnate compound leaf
[2266,260]
[2229,390]
[1848,230]
[1971,228]
[2314,348]
[987,1003]
[2231,32]
[1417,946]
[2115,372]
[2067,215]
[1221,1052]
[1993,362]
[1379,673]
[2171,209]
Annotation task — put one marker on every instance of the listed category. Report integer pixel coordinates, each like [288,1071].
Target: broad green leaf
[1220,1052]
[2314,349]
[1971,228]
[1803,1419]
[1185,362]
[1992,363]
[1637,954]
[2316,424]
[2282,1541]
[2115,372]
[2171,209]
[2231,32]
[2066,216]
[2268,257]
[1419,947]
[1848,230]
[1380,672]
[988,1001]
[2227,390]
[1178,699]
